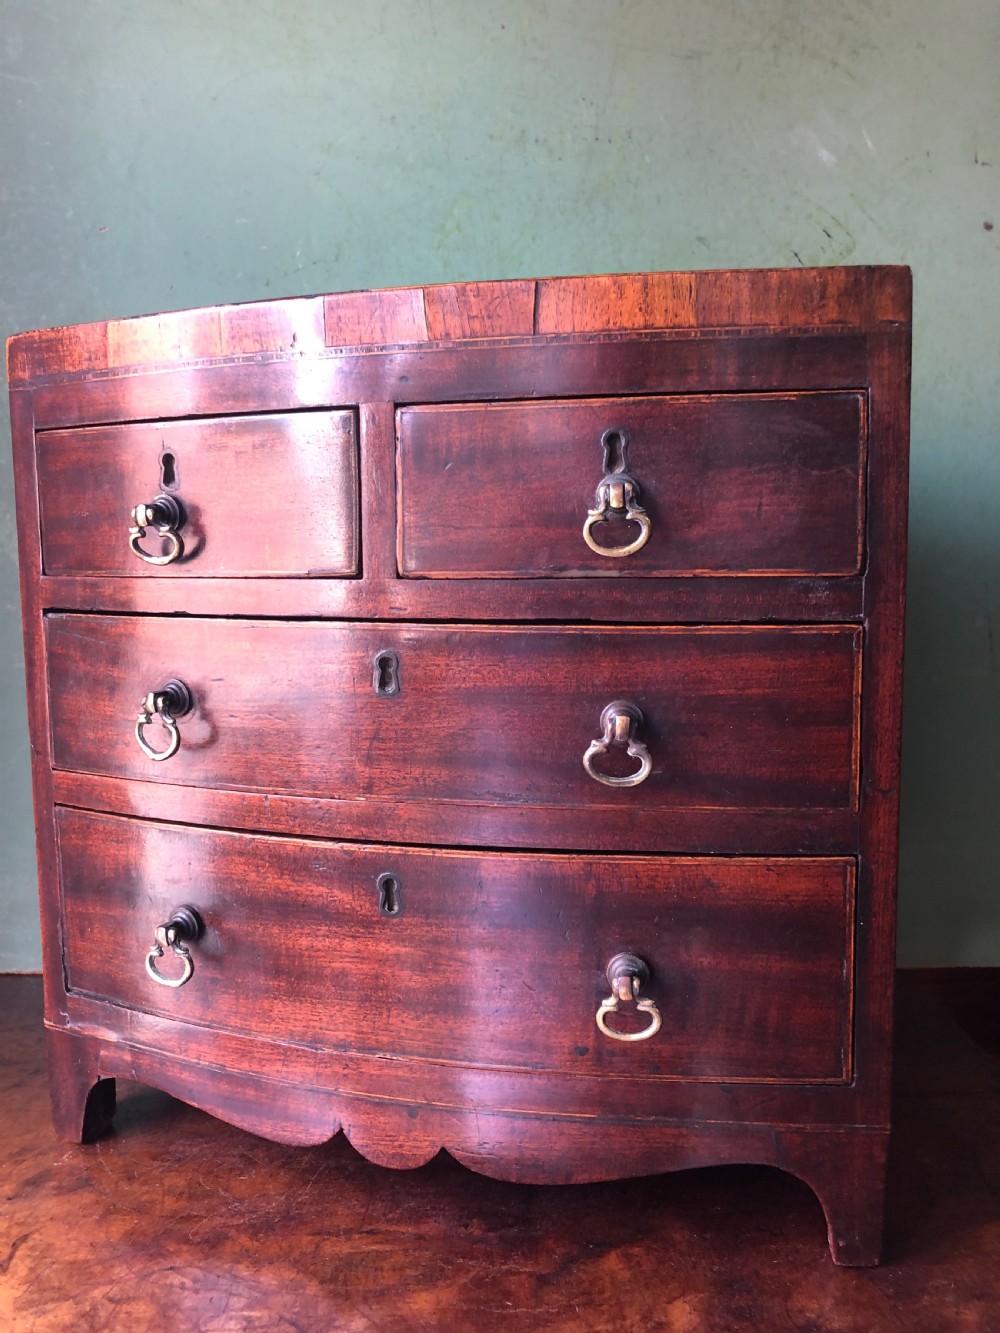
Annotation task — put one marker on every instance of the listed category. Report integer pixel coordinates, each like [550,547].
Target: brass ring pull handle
[627,974]
[166,516]
[173,701]
[184,927]
[618,496]
[613,501]
[619,723]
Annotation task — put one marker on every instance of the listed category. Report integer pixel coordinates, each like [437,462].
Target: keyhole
[390,895]
[615,445]
[168,471]
[385,675]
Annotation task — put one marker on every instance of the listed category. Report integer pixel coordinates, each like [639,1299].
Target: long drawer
[486,958]
[711,718]
[698,484]
[245,496]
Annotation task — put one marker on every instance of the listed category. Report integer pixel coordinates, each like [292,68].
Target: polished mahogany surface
[178,1216]
[740,1005]
[443,684]
[756,718]
[272,495]
[748,483]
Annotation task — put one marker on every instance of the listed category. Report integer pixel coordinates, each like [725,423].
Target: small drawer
[716,484]
[228,496]
[757,718]
[489,959]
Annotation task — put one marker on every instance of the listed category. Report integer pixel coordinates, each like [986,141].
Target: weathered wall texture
[154,156]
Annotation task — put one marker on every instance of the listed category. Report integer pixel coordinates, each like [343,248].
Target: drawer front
[735,483]
[489,959]
[256,496]
[756,718]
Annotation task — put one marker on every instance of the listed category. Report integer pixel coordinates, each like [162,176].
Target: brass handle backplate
[627,974]
[166,516]
[620,722]
[168,704]
[618,495]
[183,928]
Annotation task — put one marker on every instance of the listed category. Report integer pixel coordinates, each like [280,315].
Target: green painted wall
[156,154]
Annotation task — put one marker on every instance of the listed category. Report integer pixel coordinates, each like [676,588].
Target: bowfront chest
[468,717]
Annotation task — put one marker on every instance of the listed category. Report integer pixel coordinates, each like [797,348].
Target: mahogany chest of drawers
[468,717]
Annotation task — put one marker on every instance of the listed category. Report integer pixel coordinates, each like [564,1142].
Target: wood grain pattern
[760,484]
[759,718]
[381,595]
[36,680]
[480,310]
[846,1170]
[542,367]
[885,599]
[291,328]
[357,318]
[763,647]
[261,496]
[468,823]
[618,301]
[865,298]
[335,973]
[736,1247]
[276,327]
[754,298]
[422,1083]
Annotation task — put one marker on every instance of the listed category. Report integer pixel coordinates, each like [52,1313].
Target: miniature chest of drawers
[468,717]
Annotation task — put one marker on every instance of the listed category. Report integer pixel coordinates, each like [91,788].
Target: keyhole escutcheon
[614,443]
[385,674]
[168,471]
[390,895]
